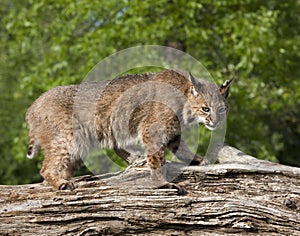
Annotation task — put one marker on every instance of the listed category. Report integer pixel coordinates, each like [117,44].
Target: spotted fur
[151,109]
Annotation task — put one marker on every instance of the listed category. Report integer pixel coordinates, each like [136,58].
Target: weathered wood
[240,195]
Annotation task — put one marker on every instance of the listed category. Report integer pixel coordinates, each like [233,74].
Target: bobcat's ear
[193,80]
[224,88]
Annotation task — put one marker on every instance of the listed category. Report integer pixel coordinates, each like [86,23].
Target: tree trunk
[240,195]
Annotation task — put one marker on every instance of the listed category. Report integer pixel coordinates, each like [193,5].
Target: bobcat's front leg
[123,154]
[155,138]
[156,161]
[155,154]
[183,153]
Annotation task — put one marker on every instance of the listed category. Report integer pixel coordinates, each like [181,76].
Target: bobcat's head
[206,103]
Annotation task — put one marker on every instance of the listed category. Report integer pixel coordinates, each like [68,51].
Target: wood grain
[241,195]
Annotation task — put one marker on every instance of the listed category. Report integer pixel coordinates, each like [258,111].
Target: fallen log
[240,194]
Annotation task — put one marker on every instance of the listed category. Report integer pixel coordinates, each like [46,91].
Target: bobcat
[152,108]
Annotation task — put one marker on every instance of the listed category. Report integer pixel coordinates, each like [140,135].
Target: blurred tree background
[48,43]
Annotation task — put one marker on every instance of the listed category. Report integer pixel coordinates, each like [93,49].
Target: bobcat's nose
[211,126]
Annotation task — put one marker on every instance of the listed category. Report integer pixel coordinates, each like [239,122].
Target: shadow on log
[239,195]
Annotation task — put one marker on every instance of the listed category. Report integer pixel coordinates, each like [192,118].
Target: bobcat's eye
[222,109]
[205,109]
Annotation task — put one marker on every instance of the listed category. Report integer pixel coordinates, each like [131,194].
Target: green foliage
[104,161]
[48,43]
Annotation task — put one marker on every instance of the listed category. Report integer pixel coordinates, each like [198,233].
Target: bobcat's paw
[199,161]
[180,189]
[67,185]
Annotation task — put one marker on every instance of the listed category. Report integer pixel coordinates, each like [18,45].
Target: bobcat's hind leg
[56,170]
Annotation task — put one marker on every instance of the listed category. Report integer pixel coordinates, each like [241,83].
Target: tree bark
[241,195]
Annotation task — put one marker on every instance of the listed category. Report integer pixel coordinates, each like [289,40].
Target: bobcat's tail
[33,149]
